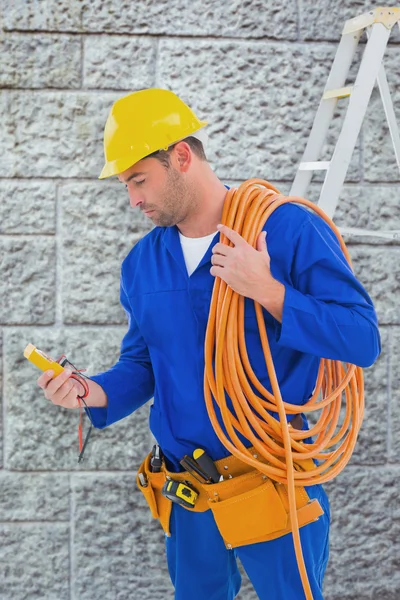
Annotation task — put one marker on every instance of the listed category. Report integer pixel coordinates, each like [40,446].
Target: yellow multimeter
[41,360]
[45,363]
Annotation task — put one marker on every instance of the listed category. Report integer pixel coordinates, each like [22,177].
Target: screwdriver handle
[207,464]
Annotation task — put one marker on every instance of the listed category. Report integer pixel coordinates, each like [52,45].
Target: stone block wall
[255,69]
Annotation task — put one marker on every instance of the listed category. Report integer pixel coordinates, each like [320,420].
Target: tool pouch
[159,505]
[252,508]
[250,515]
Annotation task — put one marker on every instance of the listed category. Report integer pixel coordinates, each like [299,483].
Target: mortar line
[29,327]
[3,408]
[55,89]
[21,522]
[176,36]
[82,60]
[71,541]
[389,394]
[156,63]
[27,235]
[361,155]
[123,326]
[185,36]
[58,263]
[107,473]
[69,180]
[299,5]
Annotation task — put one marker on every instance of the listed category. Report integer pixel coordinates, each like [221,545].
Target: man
[313,307]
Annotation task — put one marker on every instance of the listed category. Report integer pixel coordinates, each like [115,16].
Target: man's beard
[177,199]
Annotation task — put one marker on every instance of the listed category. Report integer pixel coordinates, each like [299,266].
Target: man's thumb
[261,241]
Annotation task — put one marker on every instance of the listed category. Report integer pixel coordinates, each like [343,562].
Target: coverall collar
[173,245]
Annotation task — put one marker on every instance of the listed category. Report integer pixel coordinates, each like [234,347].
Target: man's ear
[183,155]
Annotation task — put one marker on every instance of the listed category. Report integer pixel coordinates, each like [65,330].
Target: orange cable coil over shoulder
[246,210]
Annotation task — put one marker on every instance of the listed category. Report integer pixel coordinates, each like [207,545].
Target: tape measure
[181,492]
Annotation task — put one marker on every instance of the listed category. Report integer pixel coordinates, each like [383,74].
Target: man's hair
[164,155]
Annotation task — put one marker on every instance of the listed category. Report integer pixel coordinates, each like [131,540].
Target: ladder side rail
[388,108]
[359,99]
[389,112]
[336,79]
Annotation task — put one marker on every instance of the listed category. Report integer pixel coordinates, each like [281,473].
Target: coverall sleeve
[327,312]
[130,382]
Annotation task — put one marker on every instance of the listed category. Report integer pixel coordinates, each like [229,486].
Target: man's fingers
[221,249]
[61,390]
[219,260]
[217,271]
[232,235]
[45,379]
[66,395]
[54,385]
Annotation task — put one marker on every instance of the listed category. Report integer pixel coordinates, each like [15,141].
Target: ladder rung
[338,93]
[389,235]
[321,165]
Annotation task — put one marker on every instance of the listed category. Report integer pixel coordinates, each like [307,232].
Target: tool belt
[248,507]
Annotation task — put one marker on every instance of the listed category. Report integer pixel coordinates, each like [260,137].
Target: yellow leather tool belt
[248,507]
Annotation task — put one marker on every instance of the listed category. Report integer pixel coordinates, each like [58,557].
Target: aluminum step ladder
[378,24]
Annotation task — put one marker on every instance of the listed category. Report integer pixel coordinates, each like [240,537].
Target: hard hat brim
[120,165]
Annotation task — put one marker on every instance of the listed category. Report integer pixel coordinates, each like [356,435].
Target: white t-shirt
[194,249]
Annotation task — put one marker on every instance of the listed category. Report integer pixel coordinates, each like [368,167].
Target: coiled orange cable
[246,210]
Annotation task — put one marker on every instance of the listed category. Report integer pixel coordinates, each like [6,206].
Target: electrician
[313,306]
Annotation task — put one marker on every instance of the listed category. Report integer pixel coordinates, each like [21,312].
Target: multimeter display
[41,360]
[44,355]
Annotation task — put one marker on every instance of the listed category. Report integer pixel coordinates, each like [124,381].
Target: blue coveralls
[327,313]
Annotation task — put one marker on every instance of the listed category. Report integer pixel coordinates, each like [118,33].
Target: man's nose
[135,199]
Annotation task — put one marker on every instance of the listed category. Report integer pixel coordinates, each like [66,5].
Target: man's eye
[137,182]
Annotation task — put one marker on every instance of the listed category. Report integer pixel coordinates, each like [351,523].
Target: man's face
[162,194]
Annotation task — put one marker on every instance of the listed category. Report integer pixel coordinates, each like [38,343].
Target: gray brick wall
[255,70]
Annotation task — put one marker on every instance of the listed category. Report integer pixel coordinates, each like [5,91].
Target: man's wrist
[80,390]
[272,297]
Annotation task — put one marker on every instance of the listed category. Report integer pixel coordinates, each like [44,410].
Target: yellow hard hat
[144,122]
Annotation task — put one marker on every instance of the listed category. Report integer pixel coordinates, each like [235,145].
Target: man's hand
[61,390]
[247,270]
